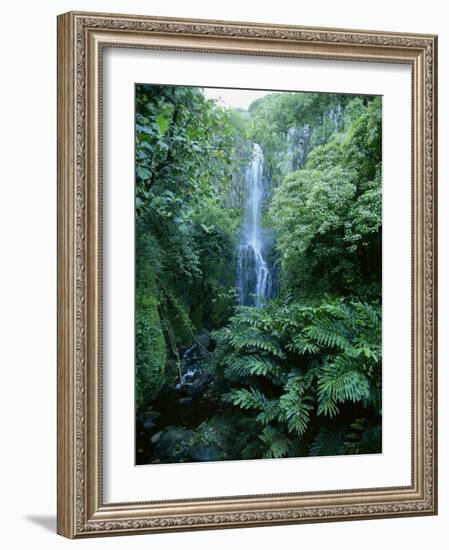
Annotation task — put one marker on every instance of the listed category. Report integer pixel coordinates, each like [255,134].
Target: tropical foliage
[307,375]
[302,375]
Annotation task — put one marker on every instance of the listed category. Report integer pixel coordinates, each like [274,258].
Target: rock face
[173,444]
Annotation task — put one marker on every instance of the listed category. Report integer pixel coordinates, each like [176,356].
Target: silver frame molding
[81,38]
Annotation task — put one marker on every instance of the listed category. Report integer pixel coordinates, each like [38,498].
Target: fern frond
[269,413]
[221,336]
[328,442]
[246,398]
[327,406]
[302,345]
[363,438]
[295,405]
[329,333]
[239,367]
[341,382]
[368,311]
[253,339]
[275,442]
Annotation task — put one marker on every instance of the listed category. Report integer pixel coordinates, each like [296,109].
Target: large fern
[328,441]
[239,366]
[342,381]
[251,398]
[297,403]
[275,443]
[289,366]
[252,339]
[363,437]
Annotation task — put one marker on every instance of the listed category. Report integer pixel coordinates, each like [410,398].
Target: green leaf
[142,172]
[275,442]
[247,399]
[162,123]
[329,441]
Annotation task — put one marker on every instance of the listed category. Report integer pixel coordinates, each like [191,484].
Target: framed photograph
[246,274]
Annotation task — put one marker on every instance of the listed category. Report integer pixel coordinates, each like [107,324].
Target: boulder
[148,419]
[156,437]
[173,444]
[205,453]
[197,386]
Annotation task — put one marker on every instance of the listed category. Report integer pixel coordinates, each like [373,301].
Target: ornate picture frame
[82,38]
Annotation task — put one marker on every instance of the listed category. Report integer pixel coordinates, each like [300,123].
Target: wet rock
[197,386]
[195,377]
[174,444]
[205,453]
[148,419]
[156,437]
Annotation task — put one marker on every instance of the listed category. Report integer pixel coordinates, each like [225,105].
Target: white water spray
[254,281]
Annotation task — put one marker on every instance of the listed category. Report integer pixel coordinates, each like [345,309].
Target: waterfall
[254,281]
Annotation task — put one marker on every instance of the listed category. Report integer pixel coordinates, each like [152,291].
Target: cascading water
[254,281]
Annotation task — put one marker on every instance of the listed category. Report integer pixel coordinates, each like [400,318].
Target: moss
[150,349]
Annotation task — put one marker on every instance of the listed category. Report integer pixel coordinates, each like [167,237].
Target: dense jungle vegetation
[300,375]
